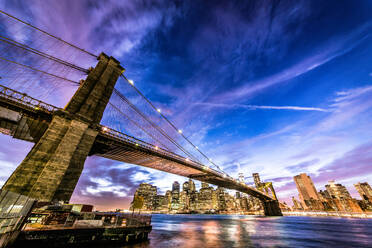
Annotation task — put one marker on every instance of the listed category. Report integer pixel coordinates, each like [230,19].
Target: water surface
[216,231]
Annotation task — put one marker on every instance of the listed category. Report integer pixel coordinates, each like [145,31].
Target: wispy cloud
[222,59]
[254,107]
[331,50]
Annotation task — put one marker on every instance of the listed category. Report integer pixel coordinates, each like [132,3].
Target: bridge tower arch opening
[52,168]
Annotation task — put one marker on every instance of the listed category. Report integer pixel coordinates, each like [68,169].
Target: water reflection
[217,231]
[211,230]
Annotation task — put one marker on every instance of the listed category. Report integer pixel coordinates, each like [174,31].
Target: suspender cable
[34,69]
[137,125]
[154,125]
[42,54]
[46,33]
[170,123]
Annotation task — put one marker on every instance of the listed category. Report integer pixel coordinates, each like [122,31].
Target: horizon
[278,89]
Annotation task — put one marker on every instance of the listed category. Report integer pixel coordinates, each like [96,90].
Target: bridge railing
[136,142]
[25,99]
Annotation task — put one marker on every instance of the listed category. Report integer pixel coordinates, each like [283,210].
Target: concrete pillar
[52,168]
[271,208]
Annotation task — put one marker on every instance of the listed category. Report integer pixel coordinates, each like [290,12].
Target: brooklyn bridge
[107,116]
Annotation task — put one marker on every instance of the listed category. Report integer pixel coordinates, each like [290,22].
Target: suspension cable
[154,125]
[34,69]
[138,125]
[170,123]
[42,54]
[45,32]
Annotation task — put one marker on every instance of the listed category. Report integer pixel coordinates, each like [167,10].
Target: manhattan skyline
[279,88]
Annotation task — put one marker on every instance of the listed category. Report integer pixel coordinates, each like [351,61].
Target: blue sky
[275,87]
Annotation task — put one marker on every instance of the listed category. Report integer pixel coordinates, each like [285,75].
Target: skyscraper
[241,177]
[176,186]
[175,204]
[148,192]
[306,188]
[337,190]
[296,204]
[257,180]
[364,190]
[204,185]
[192,185]
[186,186]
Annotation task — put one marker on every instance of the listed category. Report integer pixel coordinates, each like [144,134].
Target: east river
[201,231]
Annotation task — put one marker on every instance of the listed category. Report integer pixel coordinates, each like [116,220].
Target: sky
[274,87]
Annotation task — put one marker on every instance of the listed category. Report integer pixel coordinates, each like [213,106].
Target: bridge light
[37,108]
[179,130]
[130,81]
[159,110]
[105,129]
[137,144]
[156,147]
[187,159]
[196,147]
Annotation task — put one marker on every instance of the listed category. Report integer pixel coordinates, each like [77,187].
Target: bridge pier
[52,168]
[271,208]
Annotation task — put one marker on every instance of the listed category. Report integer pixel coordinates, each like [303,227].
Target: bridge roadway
[27,118]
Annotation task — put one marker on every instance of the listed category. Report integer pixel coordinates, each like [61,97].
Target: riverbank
[76,237]
[328,214]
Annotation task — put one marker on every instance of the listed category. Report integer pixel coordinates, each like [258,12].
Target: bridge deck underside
[129,153]
[28,123]
[120,150]
[22,123]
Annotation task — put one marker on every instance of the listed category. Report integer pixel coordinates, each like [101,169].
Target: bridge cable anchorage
[45,32]
[42,54]
[138,125]
[170,123]
[47,73]
[123,98]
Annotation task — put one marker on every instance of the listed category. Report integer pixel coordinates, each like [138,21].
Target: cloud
[302,166]
[333,49]
[351,94]
[332,146]
[221,56]
[254,107]
[356,162]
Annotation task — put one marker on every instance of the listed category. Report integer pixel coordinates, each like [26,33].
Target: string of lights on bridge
[35,51]
[158,110]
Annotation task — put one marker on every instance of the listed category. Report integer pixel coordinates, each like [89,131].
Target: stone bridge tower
[52,168]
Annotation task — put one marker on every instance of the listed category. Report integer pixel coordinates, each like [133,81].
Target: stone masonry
[52,168]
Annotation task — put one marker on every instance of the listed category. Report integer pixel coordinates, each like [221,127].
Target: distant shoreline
[329,214]
[286,213]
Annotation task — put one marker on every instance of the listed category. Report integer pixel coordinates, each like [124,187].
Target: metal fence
[44,220]
[14,210]
[26,100]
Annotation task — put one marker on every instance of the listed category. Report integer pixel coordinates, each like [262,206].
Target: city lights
[277,89]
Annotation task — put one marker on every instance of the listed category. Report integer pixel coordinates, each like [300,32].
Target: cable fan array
[36,62]
[45,66]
